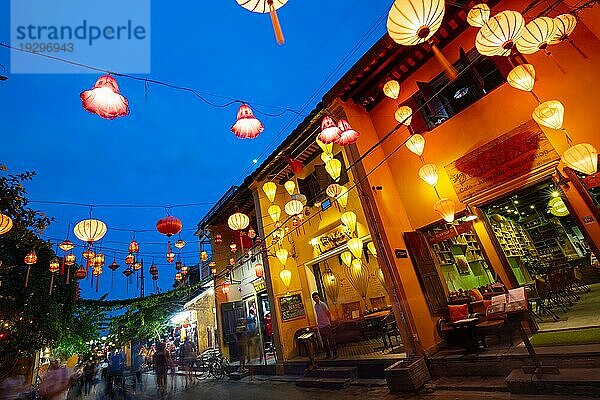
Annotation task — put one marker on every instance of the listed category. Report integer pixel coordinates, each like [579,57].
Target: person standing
[88,377]
[324,324]
[161,361]
[187,354]
[137,369]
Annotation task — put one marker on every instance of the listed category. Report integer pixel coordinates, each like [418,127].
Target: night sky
[173,149]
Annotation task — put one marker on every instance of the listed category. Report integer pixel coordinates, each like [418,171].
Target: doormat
[567,337]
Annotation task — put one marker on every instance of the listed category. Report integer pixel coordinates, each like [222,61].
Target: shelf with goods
[552,242]
[509,238]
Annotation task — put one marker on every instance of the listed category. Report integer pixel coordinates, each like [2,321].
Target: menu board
[291,307]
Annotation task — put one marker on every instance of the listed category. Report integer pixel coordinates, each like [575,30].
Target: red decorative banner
[450,233]
[591,181]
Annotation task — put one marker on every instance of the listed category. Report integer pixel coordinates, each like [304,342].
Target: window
[314,185]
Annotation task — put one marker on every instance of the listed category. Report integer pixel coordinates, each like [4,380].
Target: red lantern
[259,270]
[225,287]
[169,226]
[80,273]
[218,239]
[89,254]
[330,133]
[105,99]
[348,135]
[294,164]
[251,233]
[247,125]
[134,247]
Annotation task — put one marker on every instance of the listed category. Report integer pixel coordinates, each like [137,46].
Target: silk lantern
[238,221]
[282,255]
[330,133]
[429,173]
[349,220]
[581,157]
[300,197]
[247,125]
[259,270]
[6,224]
[275,213]
[286,277]
[499,34]
[178,277]
[130,259]
[536,35]
[326,147]
[293,207]
[356,264]
[371,249]
[267,6]
[404,115]
[203,256]
[169,226]
[411,22]
[334,168]
[342,198]
[225,288]
[446,208]
[392,89]
[355,245]
[105,99]
[326,157]
[88,254]
[290,186]
[522,77]
[90,230]
[180,244]
[53,268]
[333,190]
[416,144]
[66,245]
[549,114]
[270,189]
[30,259]
[564,25]
[478,15]
[134,247]
[347,135]
[70,259]
[346,257]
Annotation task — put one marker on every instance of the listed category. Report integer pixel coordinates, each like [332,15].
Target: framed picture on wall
[462,265]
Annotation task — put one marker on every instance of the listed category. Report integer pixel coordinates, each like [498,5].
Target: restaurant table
[374,323]
[465,332]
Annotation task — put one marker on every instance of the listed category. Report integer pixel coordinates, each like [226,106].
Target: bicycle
[211,364]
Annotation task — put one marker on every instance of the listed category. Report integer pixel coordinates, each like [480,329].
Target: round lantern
[178,277]
[80,273]
[581,157]
[137,266]
[259,270]
[70,259]
[522,77]
[371,249]
[247,125]
[105,99]
[478,15]
[334,168]
[416,144]
[293,207]
[326,147]
[355,245]
[549,114]
[6,224]
[404,115]
[203,256]
[349,220]
[346,257]
[429,173]
[333,190]
[290,186]
[392,89]
[564,25]
[270,189]
[218,239]
[130,259]
[558,207]
[445,207]
[342,198]
[282,255]
[411,22]
[134,247]
[180,244]
[267,6]
[90,230]
[88,254]
[153,269]
[238,221]
[330,133]
[30,259]
[536,35]
[54,265]
[286,277]
[275,213]
[225,287]
[499,34]
[348,135]
[169,226]
[66,245]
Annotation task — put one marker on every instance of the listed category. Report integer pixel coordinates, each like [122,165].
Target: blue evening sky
[174,149]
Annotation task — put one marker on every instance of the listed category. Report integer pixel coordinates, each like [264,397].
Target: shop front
[200,314]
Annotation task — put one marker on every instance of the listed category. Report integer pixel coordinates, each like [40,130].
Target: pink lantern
[247,126]
[105,99]
[330,133]
[348,135]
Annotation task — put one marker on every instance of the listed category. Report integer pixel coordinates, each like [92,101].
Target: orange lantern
[522,77]
[536,35]
[499,34]
[66,245]
[247,125]
[134,247]
[169,226]
[225,287]
[404,115]
[478,15]
[429,173]
[581,157]
[203,256]
[180,244]
[130,259]
[416,144]
[446,208]
[70,259]
[259,270]
[80,273]
[564,25]
[30,259]
[178,277]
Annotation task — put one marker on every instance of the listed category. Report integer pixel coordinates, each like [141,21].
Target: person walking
[187,355]
[324,324]
[137,368]
[116,364]
[160,361]
[88,377]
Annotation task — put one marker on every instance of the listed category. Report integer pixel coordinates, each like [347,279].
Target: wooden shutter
[426,270]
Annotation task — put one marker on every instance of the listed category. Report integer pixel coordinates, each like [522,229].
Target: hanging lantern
[6,224]
[342,198]
[134,247]
[259,270]
[333,190]
[113,266]
[429,173]
[564,25]
[334,168]
[371,249]
[213,269]
[80,273]
[536,35]
[416,144]
[558,207]
[348,135]
[233,247]
[184,270]
[290,186]
[66,245]
[137,266]
[293,207]
[231,262]
[169,226]
[411,22]
[549,114]
[349,220]
[326,147]
[300,197]
[499,34]
[275,213]
[54,265]
[282,255]
[225,288]
[153,270]
[99,260]
[270,189]
[180,244]
[178,277]
[30,259]
[203,256]
[170,257]
[478,15]
[522,77]
[404,115]
[70,259]
[295,165]
[88,254]
[247,125]
[286,277]
[346,257]
[90,230]
[355,245]
[330,133]
[218,239]
[445,207]
[581,157]
[251,233]
[267,6]
[326,157]
[356,264]
[332,286]
[238,221]
[392,89]
[97,271]
[129,260]
[105,99]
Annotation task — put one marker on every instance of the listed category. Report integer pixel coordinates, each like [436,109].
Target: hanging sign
[450,233]
[291,307]
[591,181]
[513,155]
[332,239]
[259,285]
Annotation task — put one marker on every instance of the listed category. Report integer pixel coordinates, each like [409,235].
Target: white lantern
[522,77]
[416,144]
[238,221]
[404,115]
[429,173]
[293,207]
[411,22]
[346,258]
[349,220]
[90,230]
[478,15]
[549,114]
[446,208]
[392,89]
[355,245]
[581,157]
[499,34]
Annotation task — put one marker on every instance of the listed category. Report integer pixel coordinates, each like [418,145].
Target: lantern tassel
[51,283]
[62,267]
[450,70]
[27,276]
[68,275]
[276,26]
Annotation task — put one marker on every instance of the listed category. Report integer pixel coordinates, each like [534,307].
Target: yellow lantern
[238,221]
[522,77]
[282,255]
[31,258]
[270,189]
[416,144]
[404,115]
[333,190]
[558,207]
[275,213]
[371,249]
[99,260]
[286,277]
[54,265]
[90,230]
[326,157]
[6,224]
[498,35]
[429,173]
[355,245]
[349,220]
[446,208]
[478,15]
[326,147]
[392,89]
[581,157]
[334,168]
[536,35]
[346,258]
[293,207]
[411,22]
[342,198]
[290,186]
[203,256]
[549,114]
[66,245]
[564,25]
[356,264]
